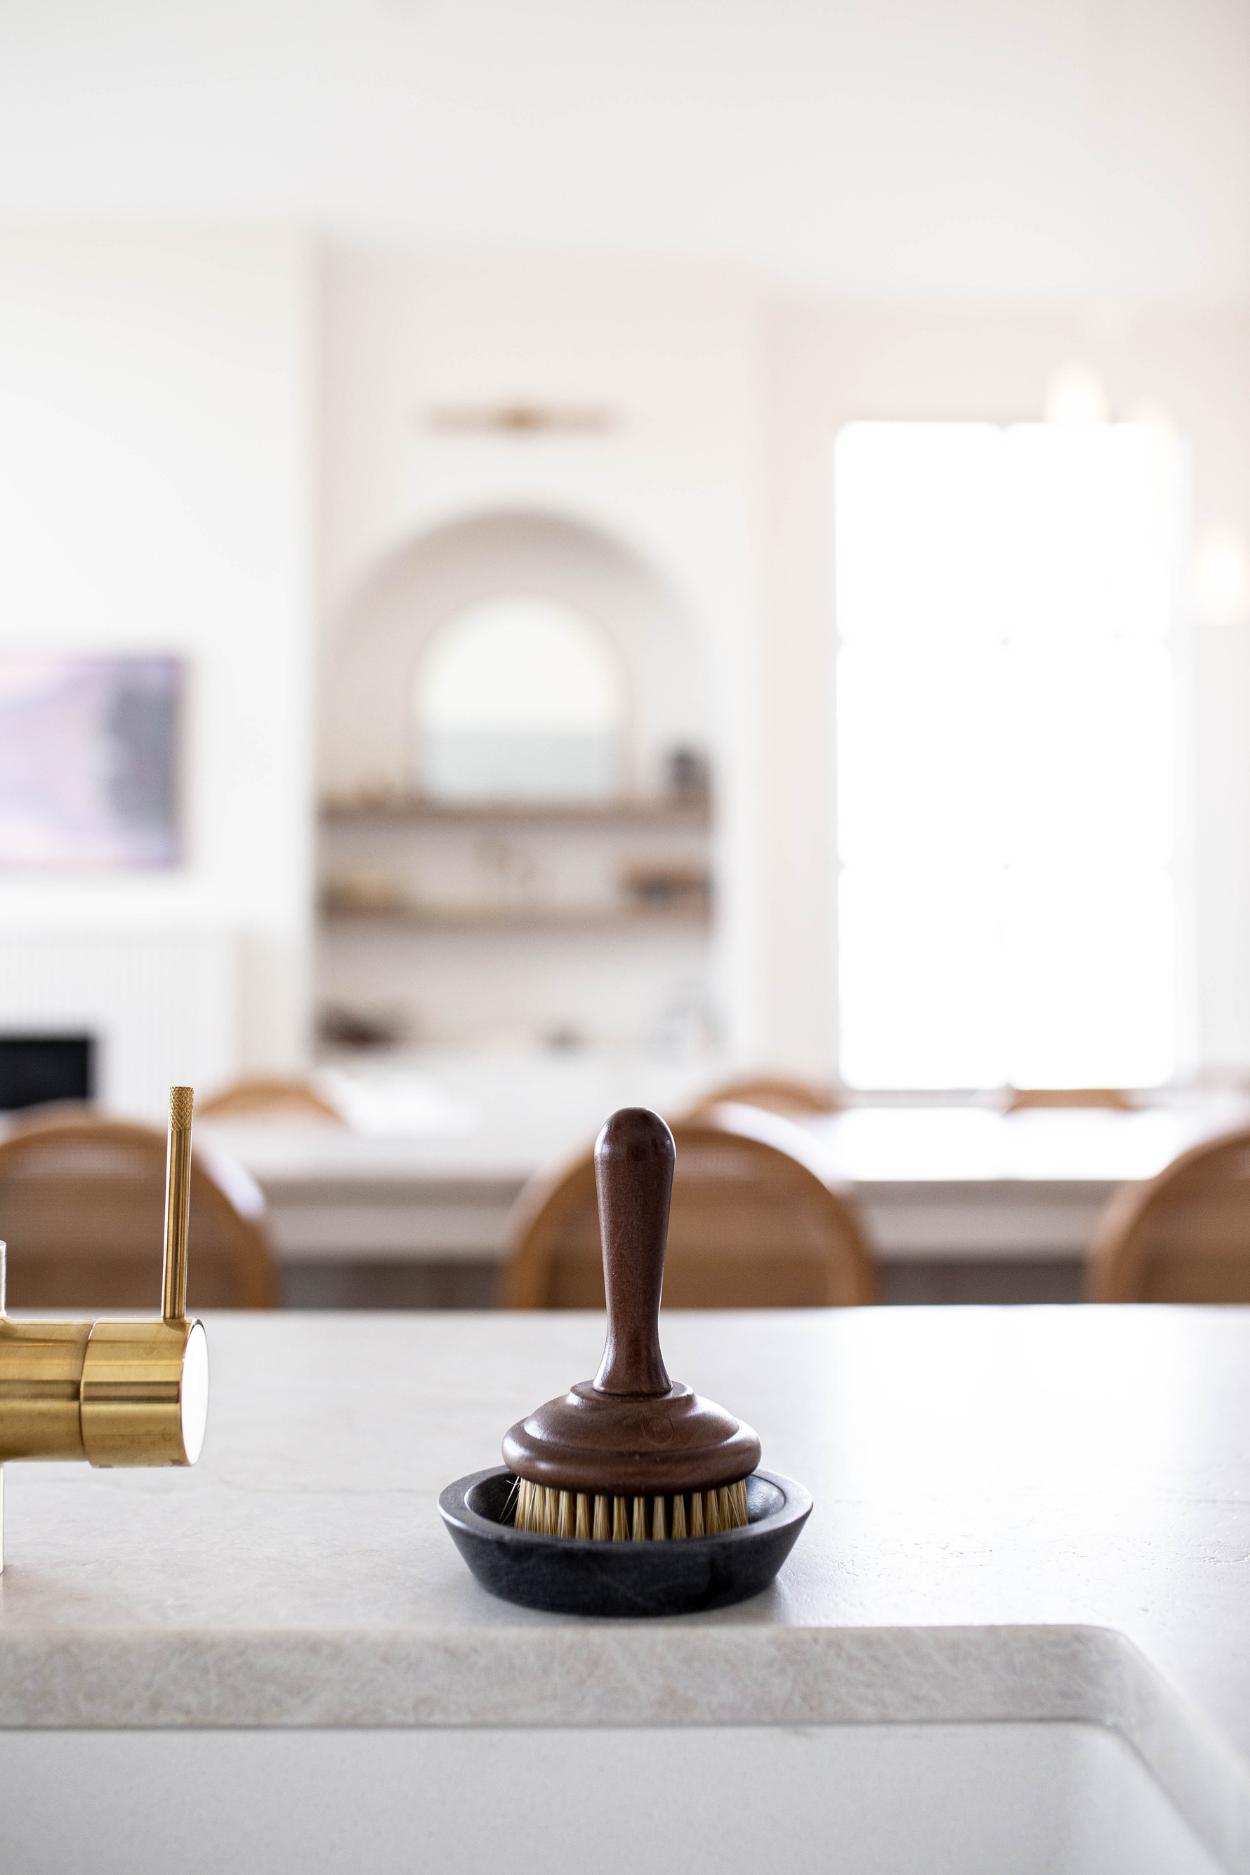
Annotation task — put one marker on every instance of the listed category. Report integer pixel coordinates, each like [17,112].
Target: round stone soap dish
[579,1576]
[631,1494]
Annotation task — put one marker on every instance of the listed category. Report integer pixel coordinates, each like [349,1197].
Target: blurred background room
[557,557]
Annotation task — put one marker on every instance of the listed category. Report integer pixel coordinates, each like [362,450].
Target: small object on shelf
[666,884]
[365,802]
[364,892]
[687,773]
[358,1028]
[563,1038]
[631,1495]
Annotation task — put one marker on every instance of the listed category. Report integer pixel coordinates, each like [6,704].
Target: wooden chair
[754,1225]
[1112,1097]
[1183,1236]
[268,1098]
[772,1093]
[82,1204]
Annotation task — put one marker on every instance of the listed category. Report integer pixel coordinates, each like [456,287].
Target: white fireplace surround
[161,1005]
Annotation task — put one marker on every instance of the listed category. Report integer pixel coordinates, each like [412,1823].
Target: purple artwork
[89,761]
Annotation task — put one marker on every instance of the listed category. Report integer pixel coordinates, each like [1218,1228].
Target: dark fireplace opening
[35,1069]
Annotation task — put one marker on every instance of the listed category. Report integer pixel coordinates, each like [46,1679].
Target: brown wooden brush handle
[629,1433]
[634,1159]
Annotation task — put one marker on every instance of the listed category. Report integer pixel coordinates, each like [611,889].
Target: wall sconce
[520,419]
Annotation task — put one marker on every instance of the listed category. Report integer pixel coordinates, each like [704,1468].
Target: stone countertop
[1031,1513]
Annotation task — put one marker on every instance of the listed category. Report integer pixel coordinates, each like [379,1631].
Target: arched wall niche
[374,654]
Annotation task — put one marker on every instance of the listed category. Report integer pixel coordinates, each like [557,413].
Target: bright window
[1006,779]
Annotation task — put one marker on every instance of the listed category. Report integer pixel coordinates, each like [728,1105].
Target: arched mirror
[520,698]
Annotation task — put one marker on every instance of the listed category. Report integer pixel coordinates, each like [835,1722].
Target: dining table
[408,1200]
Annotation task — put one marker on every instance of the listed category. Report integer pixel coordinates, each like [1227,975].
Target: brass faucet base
[137,1404]
[113,1393]
[41,1366]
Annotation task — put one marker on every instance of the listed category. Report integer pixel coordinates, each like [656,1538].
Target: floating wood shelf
[695,812]
[520,917]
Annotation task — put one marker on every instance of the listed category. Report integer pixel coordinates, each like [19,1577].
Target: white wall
[156,429]
[160,1004]
[1027,151]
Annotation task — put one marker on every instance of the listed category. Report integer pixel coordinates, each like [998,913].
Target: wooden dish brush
[631,1455]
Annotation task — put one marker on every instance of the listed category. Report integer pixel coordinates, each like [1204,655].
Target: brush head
[631,1433]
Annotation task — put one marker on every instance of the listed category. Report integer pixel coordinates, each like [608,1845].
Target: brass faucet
[114,1393]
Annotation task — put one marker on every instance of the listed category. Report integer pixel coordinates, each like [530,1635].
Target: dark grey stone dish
[572,1576]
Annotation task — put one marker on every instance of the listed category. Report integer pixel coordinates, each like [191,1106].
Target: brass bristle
[546,1511]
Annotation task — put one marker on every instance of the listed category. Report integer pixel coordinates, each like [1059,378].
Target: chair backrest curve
[1182,1236]
[754,1224]
[82,1207]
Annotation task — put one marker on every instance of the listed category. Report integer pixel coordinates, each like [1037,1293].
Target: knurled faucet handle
[177,1205]
[143,1397]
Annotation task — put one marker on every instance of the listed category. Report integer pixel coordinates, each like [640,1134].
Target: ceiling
[1019,151]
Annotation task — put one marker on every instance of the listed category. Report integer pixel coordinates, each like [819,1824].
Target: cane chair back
[265,1098]
[772,1093]
[754,1224]
[1183,1236]
[82,1210]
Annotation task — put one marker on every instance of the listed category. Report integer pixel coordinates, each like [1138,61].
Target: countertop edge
[617,1673]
